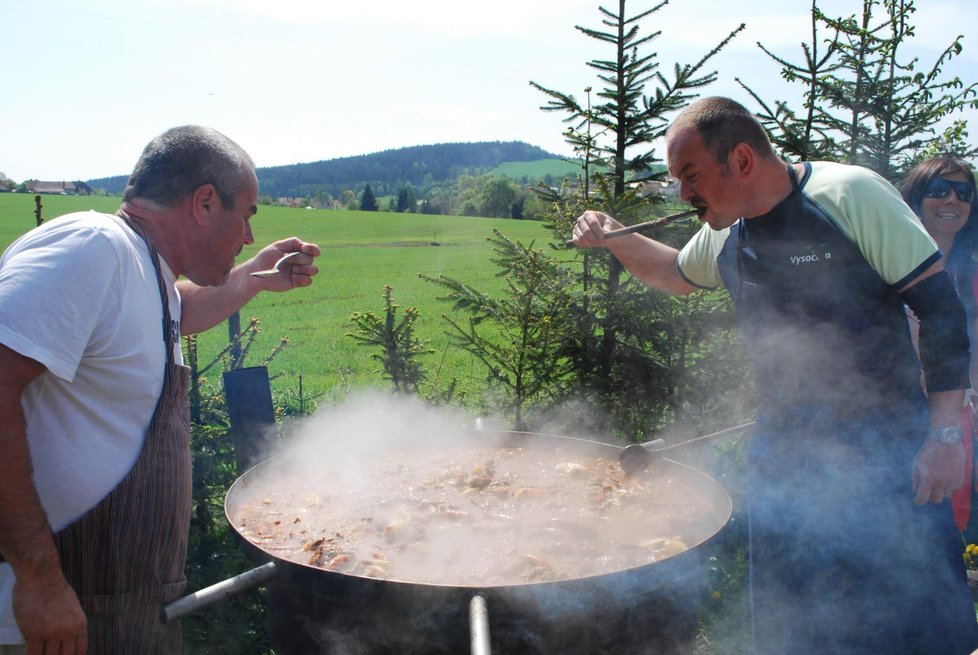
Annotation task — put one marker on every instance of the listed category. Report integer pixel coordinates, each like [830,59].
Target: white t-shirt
[79,295]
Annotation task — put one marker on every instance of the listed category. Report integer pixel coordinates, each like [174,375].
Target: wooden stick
[663,220]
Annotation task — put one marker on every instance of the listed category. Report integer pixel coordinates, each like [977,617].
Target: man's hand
[49,615]
[205,307]
[938,470]
[590,228]
[297,272]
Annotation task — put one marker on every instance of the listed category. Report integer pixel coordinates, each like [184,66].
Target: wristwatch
[949,434]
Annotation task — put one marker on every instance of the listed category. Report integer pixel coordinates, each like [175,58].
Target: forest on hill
[386,172]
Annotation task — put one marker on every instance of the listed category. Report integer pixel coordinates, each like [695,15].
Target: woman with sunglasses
[941,191]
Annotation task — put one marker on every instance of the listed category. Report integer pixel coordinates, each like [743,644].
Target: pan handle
[479,626]
[208,596]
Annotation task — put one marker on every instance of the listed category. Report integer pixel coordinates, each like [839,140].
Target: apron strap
[168,338]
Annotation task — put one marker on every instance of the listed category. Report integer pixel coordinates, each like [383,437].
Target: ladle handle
[712,435]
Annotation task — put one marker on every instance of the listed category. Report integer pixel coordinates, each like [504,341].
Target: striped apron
[125,558]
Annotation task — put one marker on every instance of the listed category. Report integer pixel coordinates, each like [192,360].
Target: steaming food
[476,517]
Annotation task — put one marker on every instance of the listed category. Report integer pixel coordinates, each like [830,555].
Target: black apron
[125,558]
[842,562]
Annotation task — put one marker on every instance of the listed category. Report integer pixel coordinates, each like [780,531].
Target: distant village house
[76,188]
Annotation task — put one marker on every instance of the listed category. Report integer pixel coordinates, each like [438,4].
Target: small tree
[400,348]
[497,197]
[615,139]
[628,119]
[863,103]
[368,202]
[798,134]
[231,357]
[406,200]
[519,337]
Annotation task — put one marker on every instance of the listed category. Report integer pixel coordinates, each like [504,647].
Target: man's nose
[249,236]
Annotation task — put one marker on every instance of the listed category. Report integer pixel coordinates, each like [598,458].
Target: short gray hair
[182,159]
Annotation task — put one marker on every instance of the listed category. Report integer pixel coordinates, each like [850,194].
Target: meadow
[538,170]
[362,252]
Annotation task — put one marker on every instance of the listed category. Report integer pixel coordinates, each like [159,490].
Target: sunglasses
[940,188]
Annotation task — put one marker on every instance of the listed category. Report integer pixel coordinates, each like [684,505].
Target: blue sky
[89,82]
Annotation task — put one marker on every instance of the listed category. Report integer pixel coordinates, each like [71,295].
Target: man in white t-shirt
[94,476]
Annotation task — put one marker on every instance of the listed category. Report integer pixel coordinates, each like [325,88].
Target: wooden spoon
[662,220]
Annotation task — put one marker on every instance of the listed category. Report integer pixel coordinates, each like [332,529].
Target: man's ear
[203,201]
[742,159]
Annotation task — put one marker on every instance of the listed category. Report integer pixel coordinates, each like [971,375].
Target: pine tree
[797,135]
[368,202]
[518,334]
[863,103]
[616,335]
[406,200]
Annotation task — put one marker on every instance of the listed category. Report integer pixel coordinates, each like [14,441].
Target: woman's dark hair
[960,262]
[183,159]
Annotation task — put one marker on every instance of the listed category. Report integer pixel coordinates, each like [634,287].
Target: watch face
[950,434]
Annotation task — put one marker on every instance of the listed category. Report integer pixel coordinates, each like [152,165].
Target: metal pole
[208,596]
[479,626]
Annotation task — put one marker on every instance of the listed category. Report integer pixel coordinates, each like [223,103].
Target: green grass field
[362,252]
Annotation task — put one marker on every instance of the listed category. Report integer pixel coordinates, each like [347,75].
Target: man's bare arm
[650,261]
[45,606]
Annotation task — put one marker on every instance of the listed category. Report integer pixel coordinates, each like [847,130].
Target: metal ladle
[275,270]
[637,457]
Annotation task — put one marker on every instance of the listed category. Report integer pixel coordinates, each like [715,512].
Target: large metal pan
[649,608]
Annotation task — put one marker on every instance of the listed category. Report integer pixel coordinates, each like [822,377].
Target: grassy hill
[386,171]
